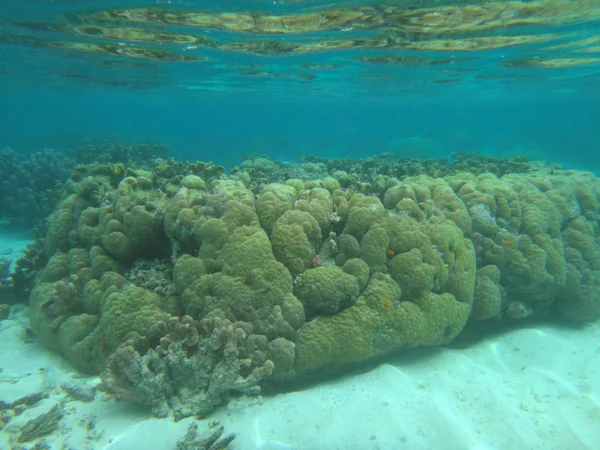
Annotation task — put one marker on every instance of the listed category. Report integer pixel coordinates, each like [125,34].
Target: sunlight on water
[368,48]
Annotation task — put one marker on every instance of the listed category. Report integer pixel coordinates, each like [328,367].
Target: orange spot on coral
[387,303]
[507,243]
[390,252]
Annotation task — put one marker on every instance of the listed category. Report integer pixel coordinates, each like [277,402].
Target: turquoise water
[396,91]
[397,237]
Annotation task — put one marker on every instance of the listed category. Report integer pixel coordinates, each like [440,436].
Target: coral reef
[128,153]
[351,171]
[183,285]
[30,186]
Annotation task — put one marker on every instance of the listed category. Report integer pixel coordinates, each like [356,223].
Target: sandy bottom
[12,244]
[534,388]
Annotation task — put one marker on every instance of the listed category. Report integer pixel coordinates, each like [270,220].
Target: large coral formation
[284,278]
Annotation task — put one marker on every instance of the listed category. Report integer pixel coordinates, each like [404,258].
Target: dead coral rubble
[42,425]
[211,440]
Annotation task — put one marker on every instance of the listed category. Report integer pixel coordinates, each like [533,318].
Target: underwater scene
[299,224]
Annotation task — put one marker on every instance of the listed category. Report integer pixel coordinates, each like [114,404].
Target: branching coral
[187,374]
[29,185]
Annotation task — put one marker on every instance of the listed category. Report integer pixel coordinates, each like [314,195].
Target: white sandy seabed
[533,388]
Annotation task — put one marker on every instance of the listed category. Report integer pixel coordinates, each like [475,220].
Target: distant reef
[181,284]
[30,185]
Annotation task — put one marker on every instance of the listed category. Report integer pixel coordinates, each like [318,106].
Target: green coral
[295,239]
[87,227]
[226,191]
[326,291]
[193,182]
[59,226]
[519,226]
[212,235]
[259,164]
[358,269]
[363,211]
[274,200]
[132,226]
[252,287]
[422,197]
[487,302]
[186,271]
[378,322]
[319,204]
[580,298]
[296,183]
[348,248]
[85,318]
[128,311]
[56,268]
[420,293]
[492,203]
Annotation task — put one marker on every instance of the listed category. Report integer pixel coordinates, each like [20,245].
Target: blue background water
[223,129]
[204,111]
